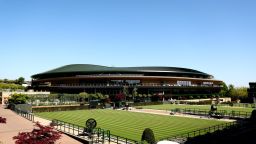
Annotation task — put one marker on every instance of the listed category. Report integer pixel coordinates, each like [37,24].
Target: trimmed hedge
[146,103]
[38,109]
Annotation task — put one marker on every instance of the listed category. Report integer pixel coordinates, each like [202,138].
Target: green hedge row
[58,108]
[146,103]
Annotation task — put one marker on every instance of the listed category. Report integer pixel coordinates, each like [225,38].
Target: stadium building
[168,81]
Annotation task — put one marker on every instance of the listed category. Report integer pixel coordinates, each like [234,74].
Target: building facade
[168,81]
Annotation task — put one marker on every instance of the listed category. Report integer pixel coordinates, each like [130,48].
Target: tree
[100,96]
[148,136]
[224,89]
[125,91]
[230,89]
[83,96]
[40,135]
[134,92]
[239,92]
[10,86]
[20,80]
[119,97]
[18,99]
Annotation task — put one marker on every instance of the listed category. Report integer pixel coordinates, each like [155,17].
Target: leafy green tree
[83,96]
[100,96]
[11,86]
[239,92]
[18,99]
[20,80]
[230,90]
[134,92]
[125,92]
[148,136]
[93,96]
[224,89]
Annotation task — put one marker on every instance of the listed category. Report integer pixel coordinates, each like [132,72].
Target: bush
[253,115]
[146,103]
[148,136]
[40,135]
[18,99]
[2,120]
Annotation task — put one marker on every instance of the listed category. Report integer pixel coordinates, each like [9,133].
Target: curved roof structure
[87,69]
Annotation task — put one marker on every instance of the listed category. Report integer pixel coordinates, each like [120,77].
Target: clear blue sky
[214,36]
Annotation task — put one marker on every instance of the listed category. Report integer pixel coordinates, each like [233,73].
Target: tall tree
[125,92]
[20,80]
[239,92]
[224,89]
[230,89]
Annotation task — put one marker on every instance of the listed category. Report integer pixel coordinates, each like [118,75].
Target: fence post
[64,126]
[74,130]
[103,137]
[68,127]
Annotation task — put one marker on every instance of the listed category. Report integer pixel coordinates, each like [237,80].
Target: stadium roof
[89,68]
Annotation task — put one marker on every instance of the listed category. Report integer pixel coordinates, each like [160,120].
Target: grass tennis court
[173,106]
[131,124]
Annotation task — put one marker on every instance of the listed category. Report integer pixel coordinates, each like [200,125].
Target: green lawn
[173,106]
[131,124]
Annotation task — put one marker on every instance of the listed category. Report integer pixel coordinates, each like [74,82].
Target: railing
[98,135]
[125,84]
[205,112]
[245,105]
[183,137]
[24,114]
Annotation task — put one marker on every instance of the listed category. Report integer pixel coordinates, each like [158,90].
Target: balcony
[119,85]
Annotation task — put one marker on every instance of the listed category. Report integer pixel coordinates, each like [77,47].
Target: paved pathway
[16,124]
[164,112]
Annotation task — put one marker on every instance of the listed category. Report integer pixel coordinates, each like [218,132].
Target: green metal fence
[205,112]
[183,137]
[23,112]
[98,135]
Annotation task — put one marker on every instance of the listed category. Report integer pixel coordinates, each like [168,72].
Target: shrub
[253,115]
[18,99]
[2,120]
[40,135]
[148,136]
[204,96]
